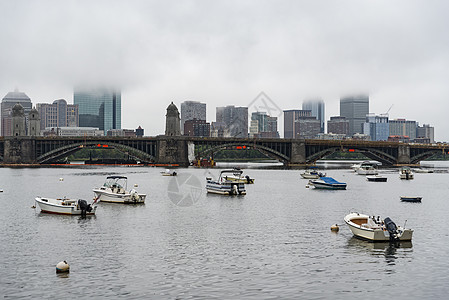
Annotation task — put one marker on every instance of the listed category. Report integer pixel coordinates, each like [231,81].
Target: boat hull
[411,199]
[373,234]
[225,188]
[309,176]
[376,178]
[54,206]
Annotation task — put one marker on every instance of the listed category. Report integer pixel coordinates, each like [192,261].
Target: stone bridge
[181,150]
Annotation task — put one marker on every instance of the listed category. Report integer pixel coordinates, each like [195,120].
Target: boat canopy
[116,177]
[330,180]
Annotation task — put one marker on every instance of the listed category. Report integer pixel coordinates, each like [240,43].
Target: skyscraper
[403,127]
[58,114]
[8,102]
[316,108]
[191,110]
[291,116]
[99,108]
[354,109]
[377,127]
[234,120]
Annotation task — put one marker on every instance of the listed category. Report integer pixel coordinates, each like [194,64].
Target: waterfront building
[72,131]
[8,102]
[58,114]
[307,127]
[197,127]
[399,138]
[192,110]
[331,136]
[377,127]
[316,107]
[290,118]
[100,107]
[354,109]
[121,132]
[235,120]
[172,121]
[425,132]
[338,125]
[403,127]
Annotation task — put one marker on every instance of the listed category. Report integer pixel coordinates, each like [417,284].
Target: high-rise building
[354,109]
[8,102]
[58,114]
[307,128]
[425,132]
[290,118]
[99,108]
[338,125]
[377,127]
[191,110]
[262,120]
[235,120]
[196,127]
[316,108]
[403,127]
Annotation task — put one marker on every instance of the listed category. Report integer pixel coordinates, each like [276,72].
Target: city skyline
[397,53]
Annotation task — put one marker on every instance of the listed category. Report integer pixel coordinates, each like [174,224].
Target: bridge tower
[18,121]
[172,121]
[35,123]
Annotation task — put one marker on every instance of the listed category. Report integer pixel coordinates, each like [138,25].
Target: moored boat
[410,199]
[312,174]
[224,186]
[405,173]
[114,190]
[64,206]
[376,178]
[375,229]
[367,168]
[327,183]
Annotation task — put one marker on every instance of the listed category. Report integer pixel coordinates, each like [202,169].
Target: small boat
[224,186]
[312,174]
[167,172]
[375,229]
[64,206]
[405,173]
[367,168]
[243,179]
[376,178]
[354,167]
[327,183]
[423,170]
[410,199]
[115,190]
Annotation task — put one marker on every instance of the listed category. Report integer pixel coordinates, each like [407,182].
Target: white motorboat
[167,172]
[367,168]
[224,186]
[115,190]
[375,229]
[405,173]
[64,206]
[327,183]
[312,174]
[376,178]
[423,170]
[243,179]
[354,167]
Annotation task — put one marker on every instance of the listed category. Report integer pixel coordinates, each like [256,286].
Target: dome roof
[172,110]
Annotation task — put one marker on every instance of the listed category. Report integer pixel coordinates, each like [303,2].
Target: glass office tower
[355,109]
[99,108]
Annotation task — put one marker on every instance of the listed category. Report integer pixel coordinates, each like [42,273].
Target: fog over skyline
[227,52]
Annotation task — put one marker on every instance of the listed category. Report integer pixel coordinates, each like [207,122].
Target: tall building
[403,127]
[191,110]
[58,114]
[316,108]
[8,102]
[291,116]
[354,109]
[377,127]
[425,132]
[262,120]
[196,127]
[307,128]
[99,108]
[235,120]
[338,125]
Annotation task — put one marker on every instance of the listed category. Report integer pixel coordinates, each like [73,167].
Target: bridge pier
[19,150]
[298,156]
[403,155]
[172,150]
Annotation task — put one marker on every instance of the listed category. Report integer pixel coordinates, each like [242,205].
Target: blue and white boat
[224,186]
[327,183]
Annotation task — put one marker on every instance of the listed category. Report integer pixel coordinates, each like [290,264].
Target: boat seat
[372,224]
[121,191]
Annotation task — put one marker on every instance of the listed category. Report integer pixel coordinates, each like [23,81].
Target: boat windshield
[115,182]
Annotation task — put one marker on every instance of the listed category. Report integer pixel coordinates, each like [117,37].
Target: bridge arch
[66,150]
[263,149]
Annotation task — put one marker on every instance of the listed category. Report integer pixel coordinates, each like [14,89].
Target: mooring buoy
[62,267]
[335,228]
[61,179]
[136,185]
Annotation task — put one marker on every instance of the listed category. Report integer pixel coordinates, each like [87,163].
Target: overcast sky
[227,52]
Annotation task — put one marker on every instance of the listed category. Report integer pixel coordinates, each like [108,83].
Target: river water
[275,242]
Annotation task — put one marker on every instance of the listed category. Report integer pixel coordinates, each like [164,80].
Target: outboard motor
[85,208]
[247,179]
[234,190]
[392,229]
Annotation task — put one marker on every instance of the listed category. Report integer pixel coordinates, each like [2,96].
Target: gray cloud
[226,52]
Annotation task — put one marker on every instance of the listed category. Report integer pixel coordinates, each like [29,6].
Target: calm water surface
[275,242]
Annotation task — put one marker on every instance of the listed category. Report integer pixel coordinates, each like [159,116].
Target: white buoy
[61,179]
[335,228]
[62,267]
[136,185]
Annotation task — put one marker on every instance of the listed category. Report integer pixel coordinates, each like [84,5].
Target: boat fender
[335,228]
[62,267]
